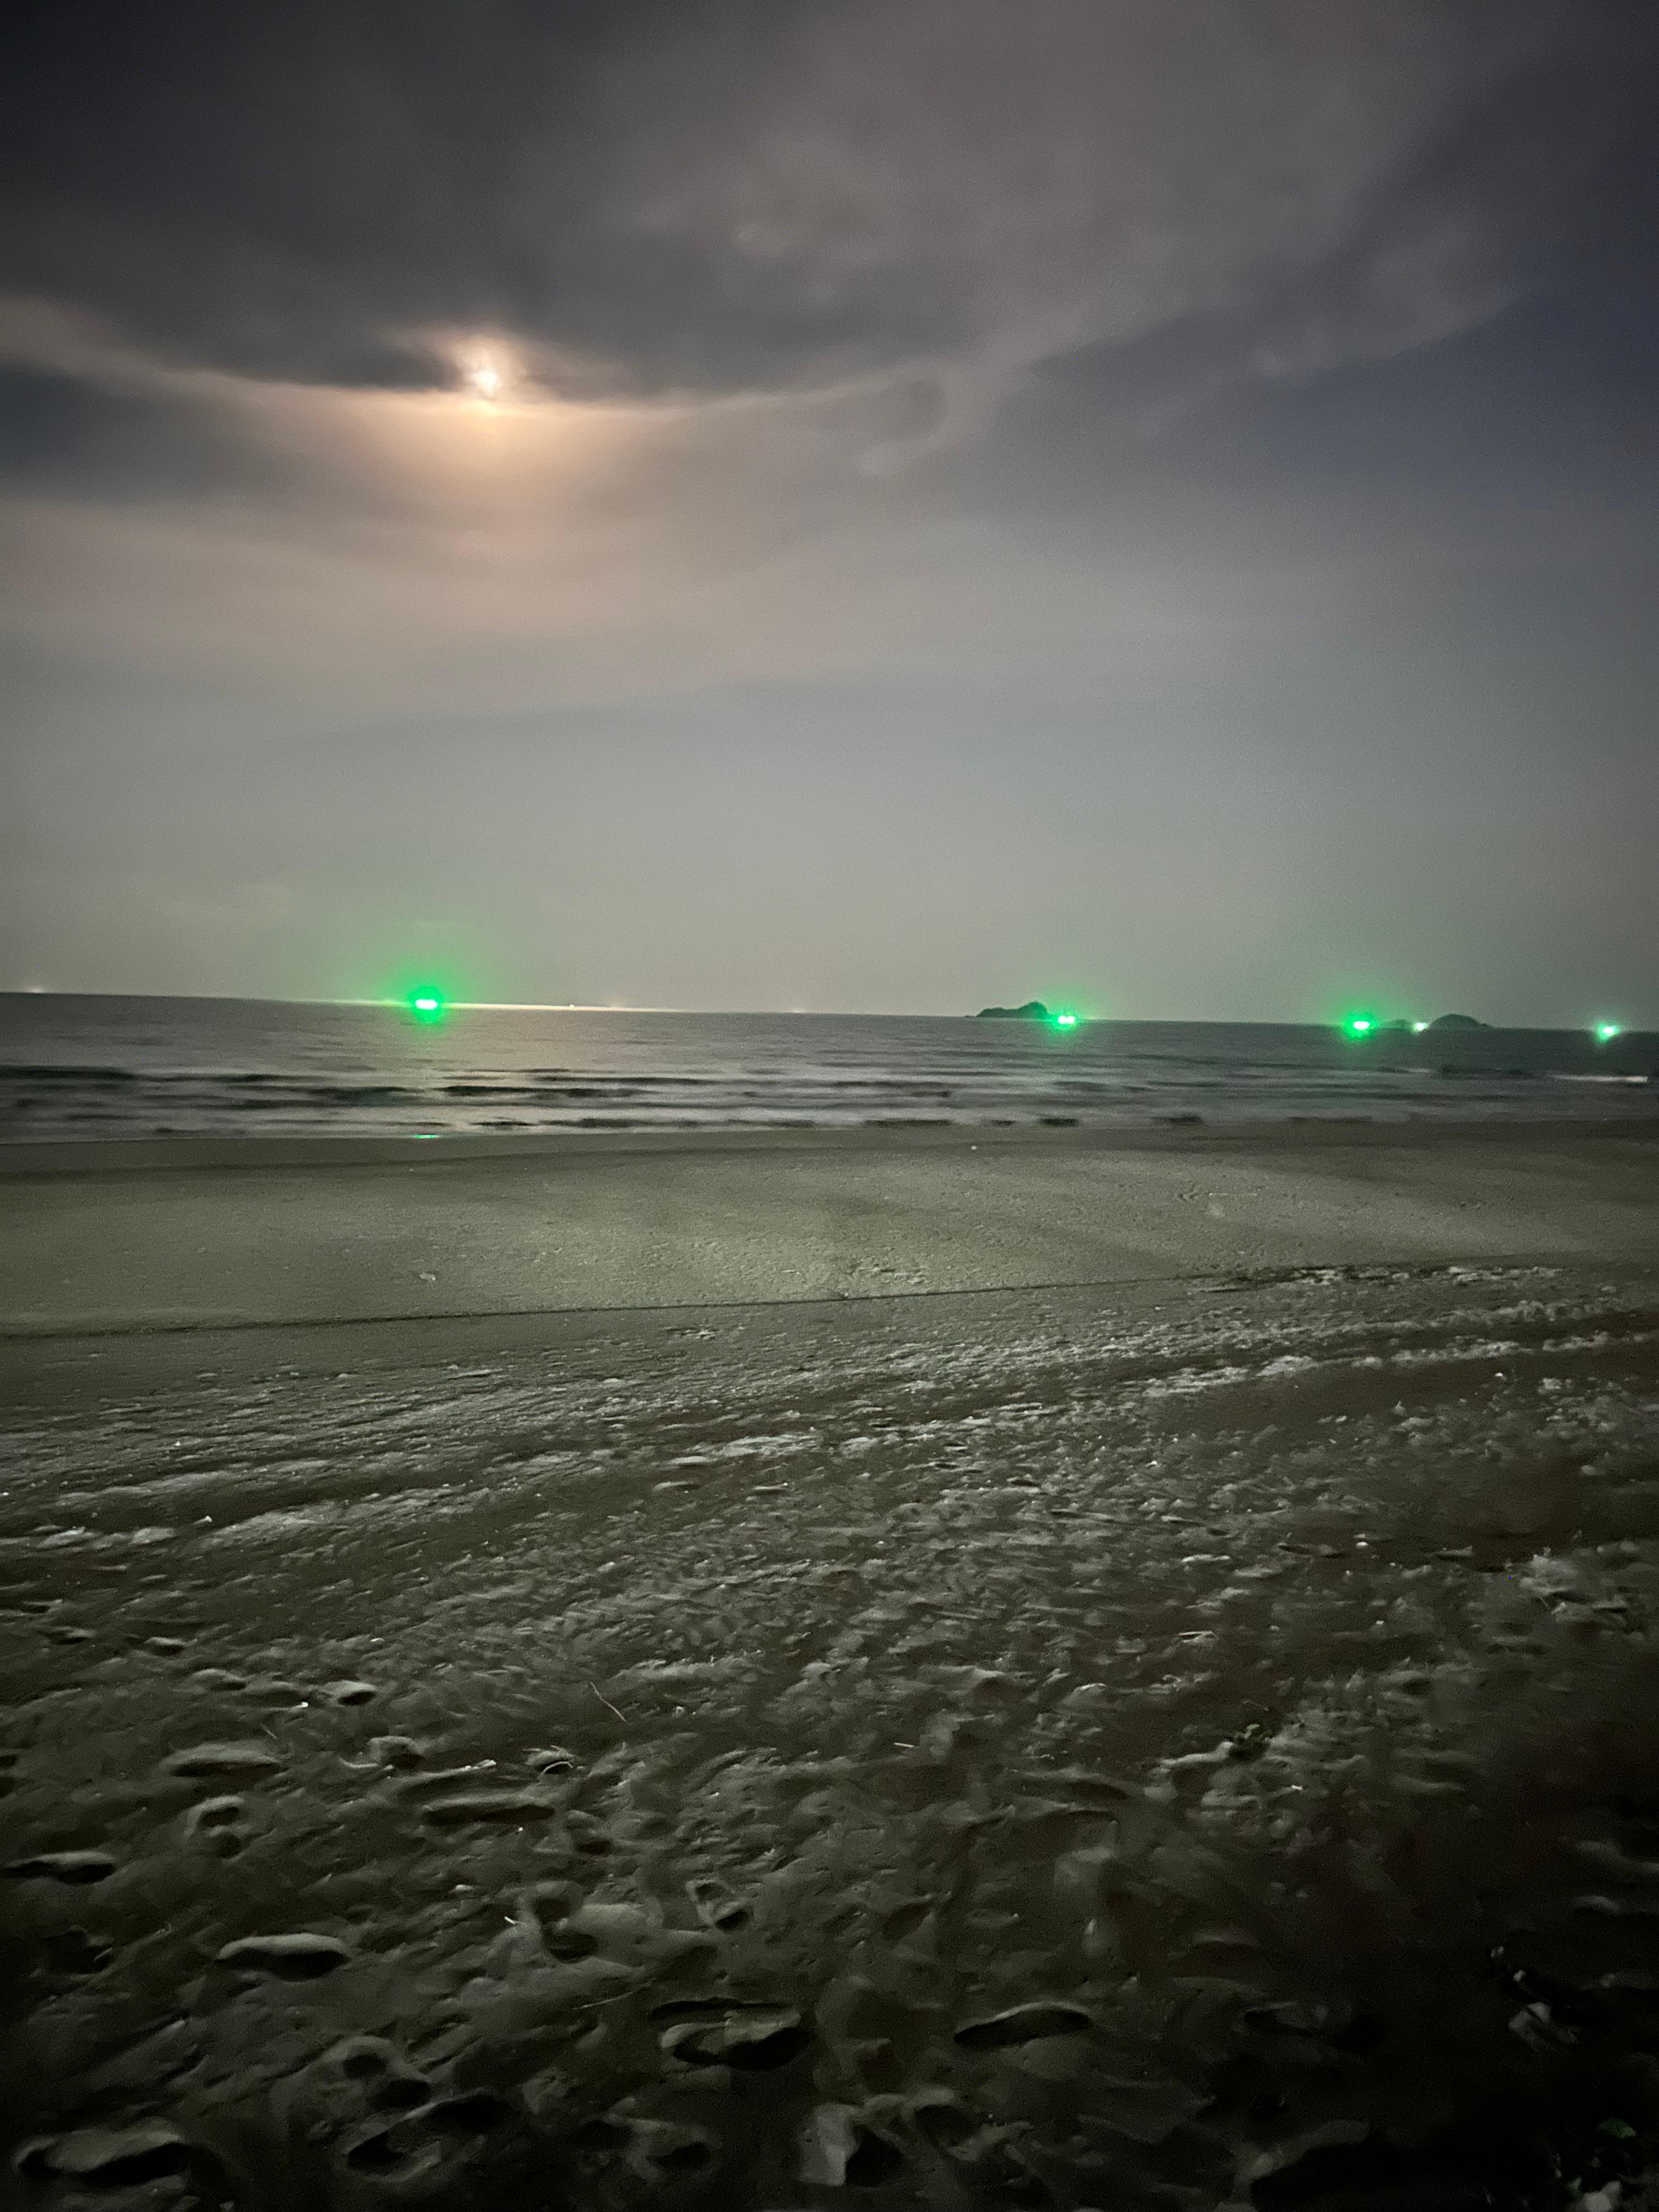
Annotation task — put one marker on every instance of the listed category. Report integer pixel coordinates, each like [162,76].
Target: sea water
[83,1066]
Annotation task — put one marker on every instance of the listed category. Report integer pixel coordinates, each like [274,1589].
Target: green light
[1606,1032]
[1359,1025]
[1417,1027]
[426,1004]
[1065,1021]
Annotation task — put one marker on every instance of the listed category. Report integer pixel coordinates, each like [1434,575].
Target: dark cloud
[719,197]
[1555,172]
[62,435]
[276,192]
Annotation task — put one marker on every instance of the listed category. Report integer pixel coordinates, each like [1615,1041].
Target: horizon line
[1624,1029]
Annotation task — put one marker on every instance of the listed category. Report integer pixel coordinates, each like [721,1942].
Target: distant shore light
[1417,1027]
[1359,1025]
[426,1003]
[1065,1021]
[1605,1031]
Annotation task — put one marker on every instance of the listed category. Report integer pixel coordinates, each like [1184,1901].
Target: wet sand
[184,1233]
[1179,1737]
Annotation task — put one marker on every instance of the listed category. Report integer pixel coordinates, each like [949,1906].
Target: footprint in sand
[348,1692]
[942,2120]
[211,1762]
[717,1907]
[72,1951]
[376,2076]
[75,1866]
[471,2112]
[272,1690]
[117,2157]
[399,2092]
[1025,2023]
[398,1750]
[751,2038]
[837,2151]
[586,1834]
[510,1808]
[412,2142]
[294,1958]
[218,1823]
[361,2057]
[551,1761]
[661,2149]
[552,1904]
[398,2152]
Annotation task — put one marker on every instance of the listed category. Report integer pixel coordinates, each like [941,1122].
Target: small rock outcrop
[1457,1022]
[1032,1010]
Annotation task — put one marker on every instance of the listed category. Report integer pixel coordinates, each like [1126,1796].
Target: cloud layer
[739,196]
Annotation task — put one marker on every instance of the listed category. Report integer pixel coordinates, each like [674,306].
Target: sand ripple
[1193,1756]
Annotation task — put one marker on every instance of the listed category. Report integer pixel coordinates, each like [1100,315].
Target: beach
[1048,1667]
[192,1231]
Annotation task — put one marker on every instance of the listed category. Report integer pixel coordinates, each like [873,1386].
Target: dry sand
[1181,1737]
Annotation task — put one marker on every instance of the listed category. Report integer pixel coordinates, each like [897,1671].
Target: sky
[856,505]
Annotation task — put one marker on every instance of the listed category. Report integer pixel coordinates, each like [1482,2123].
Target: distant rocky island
[1034,1011]
[1440,1022]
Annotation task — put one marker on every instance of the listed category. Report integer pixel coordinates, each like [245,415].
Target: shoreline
[75,1156]
[180,1234]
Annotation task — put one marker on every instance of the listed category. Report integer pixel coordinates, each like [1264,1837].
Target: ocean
[84,1066]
